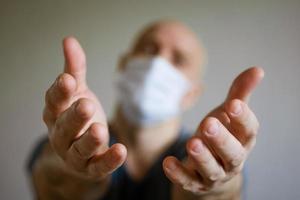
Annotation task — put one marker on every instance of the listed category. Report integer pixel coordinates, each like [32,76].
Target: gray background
[237,34]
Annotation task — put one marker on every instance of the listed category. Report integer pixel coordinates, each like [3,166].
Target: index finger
[244,84]
[75,61]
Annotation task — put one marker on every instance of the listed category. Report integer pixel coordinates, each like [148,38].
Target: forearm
[53,180]
[231,190]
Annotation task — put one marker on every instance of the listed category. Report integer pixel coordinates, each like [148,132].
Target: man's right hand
[77,125]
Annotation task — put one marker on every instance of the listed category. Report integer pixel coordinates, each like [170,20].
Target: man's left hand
[222,142]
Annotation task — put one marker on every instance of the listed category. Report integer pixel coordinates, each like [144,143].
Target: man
[144,153]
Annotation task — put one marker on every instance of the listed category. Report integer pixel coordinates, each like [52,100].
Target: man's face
[174,42]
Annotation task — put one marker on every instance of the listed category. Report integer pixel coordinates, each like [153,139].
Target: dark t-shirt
[155,185]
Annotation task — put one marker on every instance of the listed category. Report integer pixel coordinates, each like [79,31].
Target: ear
[191,97]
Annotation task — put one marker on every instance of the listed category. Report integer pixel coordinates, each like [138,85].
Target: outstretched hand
[77,126]
[222,142]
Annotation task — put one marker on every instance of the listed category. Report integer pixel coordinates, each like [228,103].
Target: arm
[218,150]
[77,162]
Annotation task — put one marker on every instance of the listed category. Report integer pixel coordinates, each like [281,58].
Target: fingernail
[171,166]
[237,109]
[197,148]
[212,128]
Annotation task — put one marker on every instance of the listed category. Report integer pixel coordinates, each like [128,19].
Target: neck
[144,143]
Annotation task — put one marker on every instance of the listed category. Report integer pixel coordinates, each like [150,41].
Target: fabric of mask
[151,90]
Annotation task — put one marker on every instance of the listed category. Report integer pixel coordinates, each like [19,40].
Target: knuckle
[214,177]
[95,138]
[252,130]
[187,185]
[98,134]
[252,123]
[61,82]
[233,163]
[84,108]
[237,169]
[65,83]
[230,105]
[193,186]
[236,161]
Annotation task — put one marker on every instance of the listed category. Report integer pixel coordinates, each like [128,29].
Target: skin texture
[78,151]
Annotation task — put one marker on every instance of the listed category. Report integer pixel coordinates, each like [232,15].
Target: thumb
[75,61]
[245,83]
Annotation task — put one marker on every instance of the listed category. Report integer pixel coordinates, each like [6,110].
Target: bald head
[175,42]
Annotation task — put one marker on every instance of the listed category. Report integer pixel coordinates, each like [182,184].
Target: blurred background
[237,34]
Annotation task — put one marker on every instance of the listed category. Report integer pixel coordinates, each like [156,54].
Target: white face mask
[151,90]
